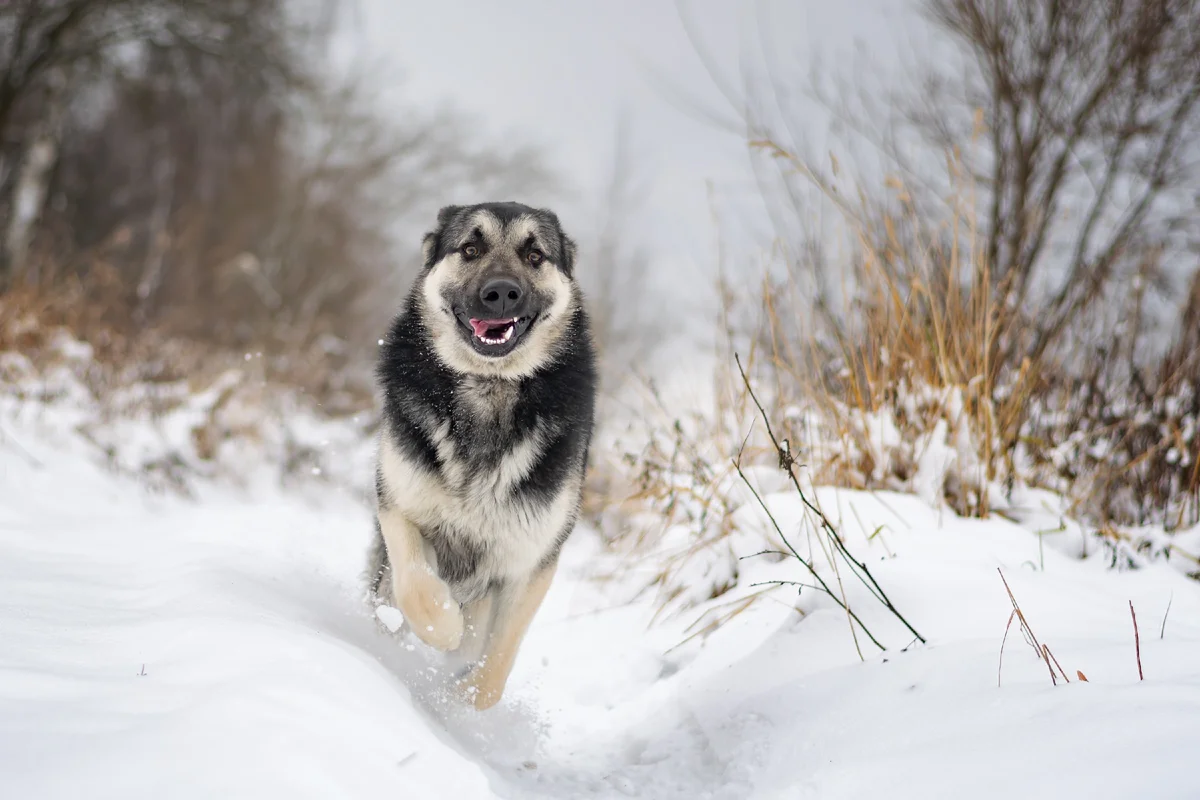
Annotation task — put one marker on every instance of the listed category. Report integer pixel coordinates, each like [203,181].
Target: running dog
[488,385]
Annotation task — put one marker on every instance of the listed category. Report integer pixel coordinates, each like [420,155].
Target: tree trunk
[32,180]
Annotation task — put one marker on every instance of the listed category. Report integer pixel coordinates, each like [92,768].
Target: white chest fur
[514,532]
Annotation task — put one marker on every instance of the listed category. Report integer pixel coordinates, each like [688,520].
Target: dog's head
[497,291]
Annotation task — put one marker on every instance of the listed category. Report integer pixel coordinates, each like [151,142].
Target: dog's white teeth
[502,338]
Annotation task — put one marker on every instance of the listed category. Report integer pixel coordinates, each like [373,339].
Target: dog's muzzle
[494,337]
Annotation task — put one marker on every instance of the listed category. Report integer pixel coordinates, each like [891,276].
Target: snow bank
[169,435]
[216,647]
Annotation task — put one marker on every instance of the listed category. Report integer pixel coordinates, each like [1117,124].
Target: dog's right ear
[429,245]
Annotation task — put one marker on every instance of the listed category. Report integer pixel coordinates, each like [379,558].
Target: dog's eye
[470,251]
[536,257]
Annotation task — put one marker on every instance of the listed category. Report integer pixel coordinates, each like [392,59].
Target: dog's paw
[480,688]
[431,610]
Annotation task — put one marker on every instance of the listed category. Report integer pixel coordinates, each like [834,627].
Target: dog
[488,384]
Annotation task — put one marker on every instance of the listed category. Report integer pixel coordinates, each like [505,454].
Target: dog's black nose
[501,297]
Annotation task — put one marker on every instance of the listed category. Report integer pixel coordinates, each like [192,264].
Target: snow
[218,644]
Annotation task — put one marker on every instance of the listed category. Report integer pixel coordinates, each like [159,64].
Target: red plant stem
[1000,666]
[1137,642]
[1050,657]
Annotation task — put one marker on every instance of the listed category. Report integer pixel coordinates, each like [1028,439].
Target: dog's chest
[488,401]
[487,452]
[481,443]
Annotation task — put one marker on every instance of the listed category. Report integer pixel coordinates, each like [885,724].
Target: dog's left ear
[446,214]
[429,245]
[568,254]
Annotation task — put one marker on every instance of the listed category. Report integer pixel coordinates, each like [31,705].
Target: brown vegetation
[1037,297]
[195,171]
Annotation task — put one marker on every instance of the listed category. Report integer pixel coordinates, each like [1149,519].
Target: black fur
[420,393]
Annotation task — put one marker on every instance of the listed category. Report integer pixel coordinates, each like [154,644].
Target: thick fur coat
[488,384]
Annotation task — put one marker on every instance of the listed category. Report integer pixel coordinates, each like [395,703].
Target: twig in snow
[1137,642]
[1000,666]
[824,587]
[1050,656]
[786,463]
[741,604]
[799,585]
[1163,630]
[768,552]
[1042,654]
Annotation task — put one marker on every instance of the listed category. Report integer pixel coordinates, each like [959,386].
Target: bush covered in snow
[169,412]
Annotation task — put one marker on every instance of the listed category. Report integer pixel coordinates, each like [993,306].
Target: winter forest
[894,483]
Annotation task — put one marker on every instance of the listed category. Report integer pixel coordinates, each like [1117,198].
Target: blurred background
[253,174]
[972,219]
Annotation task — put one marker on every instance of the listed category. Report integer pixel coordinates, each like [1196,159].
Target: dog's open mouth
[495,337]
[494,331]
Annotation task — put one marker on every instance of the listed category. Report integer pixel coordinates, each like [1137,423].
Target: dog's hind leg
[422,597]
[515,605]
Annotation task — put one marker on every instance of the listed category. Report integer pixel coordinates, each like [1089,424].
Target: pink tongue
[482,326]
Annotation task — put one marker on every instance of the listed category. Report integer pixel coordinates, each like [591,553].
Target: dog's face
[497,292]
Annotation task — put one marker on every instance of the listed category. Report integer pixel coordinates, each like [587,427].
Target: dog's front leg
[422,597]
[515,605]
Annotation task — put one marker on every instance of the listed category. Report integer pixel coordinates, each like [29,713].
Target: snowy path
[159,647]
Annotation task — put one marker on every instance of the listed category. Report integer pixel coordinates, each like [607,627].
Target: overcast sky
[560,74]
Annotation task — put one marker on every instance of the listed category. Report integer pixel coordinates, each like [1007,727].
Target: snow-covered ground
[153,645]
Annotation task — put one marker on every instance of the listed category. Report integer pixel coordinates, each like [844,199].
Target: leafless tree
[1034,238]
[1092,119]
[55,53]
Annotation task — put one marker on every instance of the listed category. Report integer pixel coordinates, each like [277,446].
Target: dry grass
[928,359]
[1042,650]
[201,412]
[674,475]
[918,383]
[916,346]
[32,320]
[671,505]
[978,332]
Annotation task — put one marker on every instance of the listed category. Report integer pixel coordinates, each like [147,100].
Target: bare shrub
[907,386]
[1015,314]
[1092,117]
[901,378]
[999,311]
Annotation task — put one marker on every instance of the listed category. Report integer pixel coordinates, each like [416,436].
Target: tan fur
[538,346]
[479,504]
[477,617]
[422,597]
[485,683]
